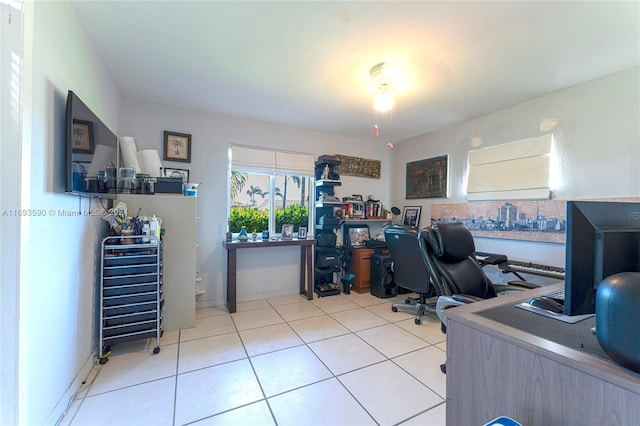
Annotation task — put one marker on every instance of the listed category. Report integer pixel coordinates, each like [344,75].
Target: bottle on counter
[153,227]
[146,229]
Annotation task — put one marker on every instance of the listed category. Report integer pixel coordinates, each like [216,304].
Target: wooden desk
[306,264]
[496,370]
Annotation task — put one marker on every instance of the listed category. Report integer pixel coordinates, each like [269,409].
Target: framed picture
[302,233]
[183,173]
[355,235]
[428,178]
[82,140]
[177,147]
[287,232]
[356,197]
[411,215]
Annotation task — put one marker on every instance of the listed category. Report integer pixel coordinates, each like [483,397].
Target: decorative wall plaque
[427,178]
[355,166]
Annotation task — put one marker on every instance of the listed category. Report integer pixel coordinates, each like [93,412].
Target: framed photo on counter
[287,232]
[302,233]
[171,172]
[411,215]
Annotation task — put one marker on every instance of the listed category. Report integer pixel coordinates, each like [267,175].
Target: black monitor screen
[91,150]
[603,238]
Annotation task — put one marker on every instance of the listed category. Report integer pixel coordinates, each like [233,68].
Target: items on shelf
[121,224]
[327,260]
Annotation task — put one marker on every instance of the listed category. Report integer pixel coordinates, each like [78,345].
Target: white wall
[260,273]
[57,252]
[10,105]
[597,142]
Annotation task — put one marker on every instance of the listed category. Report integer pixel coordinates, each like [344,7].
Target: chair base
[418,305]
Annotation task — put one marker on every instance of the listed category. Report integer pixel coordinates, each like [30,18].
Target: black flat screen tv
[603,238]
[91,148]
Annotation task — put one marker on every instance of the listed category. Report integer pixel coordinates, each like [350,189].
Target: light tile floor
[338,360]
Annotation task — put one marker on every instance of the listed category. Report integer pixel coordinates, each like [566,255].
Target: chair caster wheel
[394,309]
[418,321]
[443,368]
[407,301]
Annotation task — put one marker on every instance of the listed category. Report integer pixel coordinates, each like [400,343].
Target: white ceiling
[306,64]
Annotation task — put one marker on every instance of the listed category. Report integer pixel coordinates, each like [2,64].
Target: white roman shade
[512,171]
[253,160]
[289,163]
[258,160]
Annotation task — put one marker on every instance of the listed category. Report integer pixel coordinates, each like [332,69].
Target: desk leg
[309,250]
[231,280]
[306,276]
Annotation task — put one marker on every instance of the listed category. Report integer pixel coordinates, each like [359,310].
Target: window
[269,189]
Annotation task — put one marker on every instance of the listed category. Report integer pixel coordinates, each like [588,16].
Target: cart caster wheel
[394,308]
[407,301]
[418,321]
[156,350]
[103,361]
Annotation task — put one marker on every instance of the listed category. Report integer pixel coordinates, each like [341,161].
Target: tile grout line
[255,373]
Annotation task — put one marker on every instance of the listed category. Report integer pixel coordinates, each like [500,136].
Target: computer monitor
[603,238]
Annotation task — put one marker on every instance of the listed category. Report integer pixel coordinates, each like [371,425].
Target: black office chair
[448,251]
[409,269]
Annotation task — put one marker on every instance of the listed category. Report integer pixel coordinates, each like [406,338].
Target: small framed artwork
[302,233]
[287,232]
[411,215]
[181,173]
[82,139]
[177,147]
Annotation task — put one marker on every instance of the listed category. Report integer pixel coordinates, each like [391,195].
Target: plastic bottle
[153,226]
[146,229]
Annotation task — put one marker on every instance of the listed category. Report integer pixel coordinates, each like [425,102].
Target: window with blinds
[517,170]
[269,189]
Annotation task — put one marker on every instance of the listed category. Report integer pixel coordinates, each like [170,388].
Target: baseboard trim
[58,413]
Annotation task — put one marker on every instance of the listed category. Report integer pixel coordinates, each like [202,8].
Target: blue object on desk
[503,421]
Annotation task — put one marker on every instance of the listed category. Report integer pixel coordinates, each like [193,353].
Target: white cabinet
[178,215]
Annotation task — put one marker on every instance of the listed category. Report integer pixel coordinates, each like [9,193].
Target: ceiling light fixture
[384,83]
[385,80]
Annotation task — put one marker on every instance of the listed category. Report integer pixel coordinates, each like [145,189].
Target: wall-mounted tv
[92,152]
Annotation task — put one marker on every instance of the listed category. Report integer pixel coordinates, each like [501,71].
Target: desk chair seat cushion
[452,248]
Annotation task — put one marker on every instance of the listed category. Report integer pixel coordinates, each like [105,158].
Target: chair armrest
[446,302]
[465,298]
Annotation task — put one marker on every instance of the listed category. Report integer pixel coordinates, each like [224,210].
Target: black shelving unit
[130,292]
[327,259]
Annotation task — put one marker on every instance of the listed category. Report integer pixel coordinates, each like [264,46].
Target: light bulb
[383,102]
